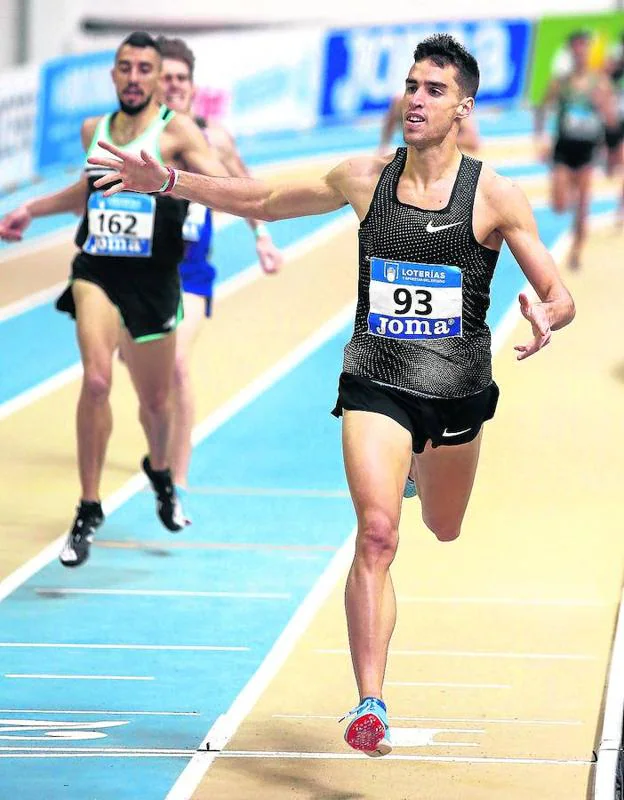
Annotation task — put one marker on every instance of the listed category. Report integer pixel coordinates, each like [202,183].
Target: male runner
[125,274]
[197,274]
[417,381]
[584,106]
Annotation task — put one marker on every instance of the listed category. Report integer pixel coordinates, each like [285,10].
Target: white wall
[9,46]
[55,25]
[349,11]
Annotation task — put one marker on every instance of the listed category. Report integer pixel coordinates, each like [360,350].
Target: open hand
[130,172]
[537,315]
[269,256]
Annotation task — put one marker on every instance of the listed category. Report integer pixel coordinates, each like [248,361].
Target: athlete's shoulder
[500,193]
[87,131]
[357,168]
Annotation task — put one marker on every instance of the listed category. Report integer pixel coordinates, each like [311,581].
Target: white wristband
[261,230]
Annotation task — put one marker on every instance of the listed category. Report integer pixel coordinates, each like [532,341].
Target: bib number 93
[417,301]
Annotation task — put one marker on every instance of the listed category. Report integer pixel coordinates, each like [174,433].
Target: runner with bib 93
[417,380]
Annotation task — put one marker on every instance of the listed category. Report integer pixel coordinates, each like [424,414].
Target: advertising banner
[550,50]
[261,81]
[365,67]
[18,112]
[72,88]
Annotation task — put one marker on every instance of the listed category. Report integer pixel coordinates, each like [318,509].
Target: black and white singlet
[423,292]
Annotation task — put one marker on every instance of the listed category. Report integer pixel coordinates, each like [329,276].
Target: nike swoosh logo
[447,433]
[431,228]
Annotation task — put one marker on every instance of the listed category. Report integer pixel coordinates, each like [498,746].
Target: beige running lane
[499,658]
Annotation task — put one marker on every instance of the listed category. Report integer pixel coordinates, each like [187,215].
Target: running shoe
[89,517]
[410,488]
[368,731]
[168,504]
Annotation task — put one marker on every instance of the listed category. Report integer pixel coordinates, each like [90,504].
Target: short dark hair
[581,34]
[443,49]
[139,39]
[178,50]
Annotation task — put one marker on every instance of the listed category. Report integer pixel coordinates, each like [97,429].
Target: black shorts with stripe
[148,298]
[439,420]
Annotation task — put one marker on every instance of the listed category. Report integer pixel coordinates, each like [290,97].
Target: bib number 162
[114,224]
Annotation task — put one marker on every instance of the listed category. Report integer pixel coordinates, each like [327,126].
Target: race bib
[580,122]
[194,222]
[121,225]
[413,302]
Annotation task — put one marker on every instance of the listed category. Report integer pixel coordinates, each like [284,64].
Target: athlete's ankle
[376,698]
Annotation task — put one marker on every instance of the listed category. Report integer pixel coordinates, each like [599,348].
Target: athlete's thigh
[188,330]
[151,365]
[377,454]
[445,476]
[97,323]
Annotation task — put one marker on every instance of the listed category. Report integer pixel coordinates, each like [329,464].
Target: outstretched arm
[243,197]
[519,229]
[269,256]
[15,223]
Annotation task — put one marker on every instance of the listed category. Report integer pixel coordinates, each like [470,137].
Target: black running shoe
[89,517]
[168,503]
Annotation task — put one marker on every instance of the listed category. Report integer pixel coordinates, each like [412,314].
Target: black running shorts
[614,136]
[574,154]
[438,420]
[148,298]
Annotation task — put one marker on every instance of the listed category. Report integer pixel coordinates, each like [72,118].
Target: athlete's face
[431,103]
[579,48]
[176,85]
[135,75]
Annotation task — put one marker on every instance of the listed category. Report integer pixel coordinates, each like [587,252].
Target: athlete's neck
[429,164]
[127,127]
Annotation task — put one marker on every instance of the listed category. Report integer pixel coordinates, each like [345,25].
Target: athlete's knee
[559,204]
[97,383]
[157,402]
[377,537]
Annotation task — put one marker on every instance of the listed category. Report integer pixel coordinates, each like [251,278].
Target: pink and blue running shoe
[368,731]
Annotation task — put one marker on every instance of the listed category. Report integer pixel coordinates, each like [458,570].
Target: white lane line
[233,284]
[225,412]
[504,601]
[397,757]
[72,754]
[438,684]
[245,491]
[90,646]
[445,720]
[35,676]
[54,590]
[225,726]
[290,253]
[209,757]
[42,389]
[475,654]
[31,301]
[609,749]
[156,751]
[36,245]
[100,712]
